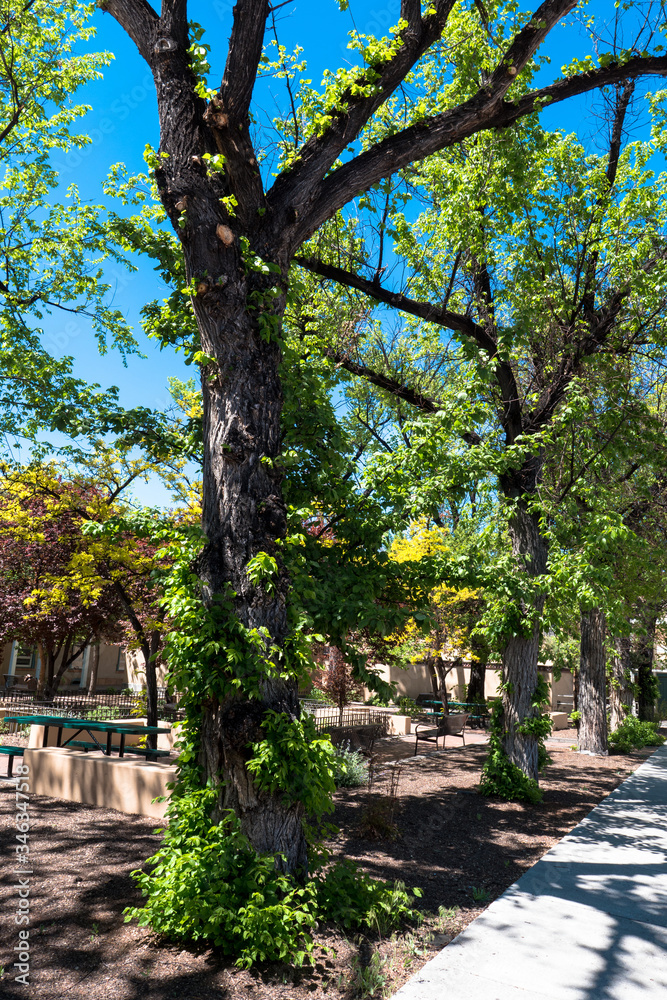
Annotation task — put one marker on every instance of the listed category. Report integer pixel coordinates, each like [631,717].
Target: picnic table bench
[11,752]
[89,726]
[478,711]
[446,725]
[143,751]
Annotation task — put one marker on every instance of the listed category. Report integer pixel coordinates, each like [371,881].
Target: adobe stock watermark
[118,279]
[23,872]
[119,111]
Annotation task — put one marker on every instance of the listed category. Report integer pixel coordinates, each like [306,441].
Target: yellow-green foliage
[453,613]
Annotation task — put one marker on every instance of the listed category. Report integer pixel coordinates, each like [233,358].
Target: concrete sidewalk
[587,922]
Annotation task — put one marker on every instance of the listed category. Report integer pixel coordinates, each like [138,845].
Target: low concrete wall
[559,720]
[400,725]
[126,784]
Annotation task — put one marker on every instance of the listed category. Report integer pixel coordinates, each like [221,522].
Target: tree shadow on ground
[452,841]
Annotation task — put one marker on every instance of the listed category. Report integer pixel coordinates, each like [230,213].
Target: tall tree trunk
[620,691]
[93,667]
[243,515]
[432,673]
[439,671]
[593,683]
[149,651]
[520,654]
[643,660]
[57,675]
[477,681]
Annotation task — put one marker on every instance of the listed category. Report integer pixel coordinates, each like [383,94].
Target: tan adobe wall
[416,680]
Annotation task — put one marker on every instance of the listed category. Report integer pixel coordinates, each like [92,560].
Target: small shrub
[206,883]
[103,713]
[480,895]
[317,695]
[407,706]
[369,980]
[377,821]
[500,776]
[378,700]
[633,734]
[110,690]
[140,707]
[351,768]
[355,901]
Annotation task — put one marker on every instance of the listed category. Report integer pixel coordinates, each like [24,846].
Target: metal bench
[85,745]
[11,752]
[447,725]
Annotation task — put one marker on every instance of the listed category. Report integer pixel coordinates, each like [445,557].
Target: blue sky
[124,120]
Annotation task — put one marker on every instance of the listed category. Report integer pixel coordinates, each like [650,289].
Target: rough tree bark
[642,655]
[477,684]
[239,323]
[520,655]
[621,695]
[593,683]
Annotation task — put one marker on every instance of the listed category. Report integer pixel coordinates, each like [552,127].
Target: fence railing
[328,718]
[103,706]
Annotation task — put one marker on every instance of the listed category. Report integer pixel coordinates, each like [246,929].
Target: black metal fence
[99,706]
[328,718]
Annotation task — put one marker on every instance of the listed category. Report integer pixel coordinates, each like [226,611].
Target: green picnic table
[91,727]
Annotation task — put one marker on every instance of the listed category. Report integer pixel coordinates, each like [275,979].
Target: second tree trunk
[593,683]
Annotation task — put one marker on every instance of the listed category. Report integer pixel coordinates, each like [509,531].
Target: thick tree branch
[355,107]
[392,386]
[245,50]
[174,21]
[228,113]
[423,310]
[385,382]
[484,111]
[511,415]
[624,95]
[139,20]
[321,151]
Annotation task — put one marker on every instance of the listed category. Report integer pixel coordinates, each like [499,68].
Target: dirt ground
[461,849]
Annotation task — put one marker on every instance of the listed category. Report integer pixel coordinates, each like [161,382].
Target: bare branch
[511,413]
[139,20]
[385,382]
[423,310]
[392,386]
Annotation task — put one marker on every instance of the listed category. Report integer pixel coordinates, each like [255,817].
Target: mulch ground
[461,849]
